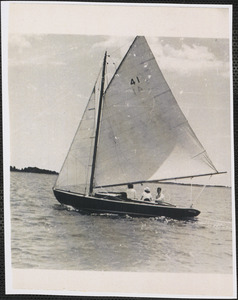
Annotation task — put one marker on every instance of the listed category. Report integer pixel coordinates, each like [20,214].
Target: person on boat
[146,195]
[131,192]
[159,196]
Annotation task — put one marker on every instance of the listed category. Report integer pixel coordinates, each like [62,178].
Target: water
[47,235]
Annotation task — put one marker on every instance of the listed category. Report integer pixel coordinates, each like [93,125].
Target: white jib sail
[142,127]
[76,171]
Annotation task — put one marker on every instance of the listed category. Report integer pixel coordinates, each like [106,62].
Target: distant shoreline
[196,184]
[33,170]
[44,171]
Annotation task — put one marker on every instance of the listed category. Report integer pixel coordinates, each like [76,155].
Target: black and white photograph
[118,150]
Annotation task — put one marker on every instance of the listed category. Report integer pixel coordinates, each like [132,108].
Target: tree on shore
[32,170]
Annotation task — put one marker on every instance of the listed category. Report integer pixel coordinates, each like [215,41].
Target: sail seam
[180,124]
[152,58]
[156,96]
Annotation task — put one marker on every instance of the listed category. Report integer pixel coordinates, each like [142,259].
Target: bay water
[48,235]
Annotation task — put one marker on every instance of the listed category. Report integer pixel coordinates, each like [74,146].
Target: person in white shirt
[131,192]
[159,197]
[146,195]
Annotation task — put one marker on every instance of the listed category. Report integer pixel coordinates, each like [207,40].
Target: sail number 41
[133,81]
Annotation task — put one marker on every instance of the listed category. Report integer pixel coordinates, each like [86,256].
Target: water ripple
[46,234]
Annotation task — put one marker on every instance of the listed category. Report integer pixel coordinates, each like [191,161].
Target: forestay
[142,128]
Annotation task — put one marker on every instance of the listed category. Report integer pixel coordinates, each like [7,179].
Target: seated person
[131,193]
[159,197]
[146,195]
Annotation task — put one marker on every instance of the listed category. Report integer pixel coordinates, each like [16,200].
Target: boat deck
[123,197]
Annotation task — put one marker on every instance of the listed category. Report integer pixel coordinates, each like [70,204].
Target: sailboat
[131,129]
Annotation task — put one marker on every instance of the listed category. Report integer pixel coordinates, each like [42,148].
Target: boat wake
[171,221]
[161,219]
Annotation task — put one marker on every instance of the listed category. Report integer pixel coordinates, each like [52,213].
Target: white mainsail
[142,127]
[134,132]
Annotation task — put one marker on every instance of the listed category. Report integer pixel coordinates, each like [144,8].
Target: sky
[51,78]
[55,52]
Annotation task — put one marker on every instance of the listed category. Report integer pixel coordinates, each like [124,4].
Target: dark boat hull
[88,204]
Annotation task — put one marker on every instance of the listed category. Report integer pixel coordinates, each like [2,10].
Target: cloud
[184,57]
[19,41]
[112,42]
[187,58]
[57,63]
[115,45]
[32,50]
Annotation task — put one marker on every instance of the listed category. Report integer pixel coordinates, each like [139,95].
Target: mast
[98,124]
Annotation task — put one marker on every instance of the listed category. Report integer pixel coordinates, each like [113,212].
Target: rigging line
[201,191]
[198,154]
[124,45]
[211,163]
[208,161]
[112,62]
[108,73]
